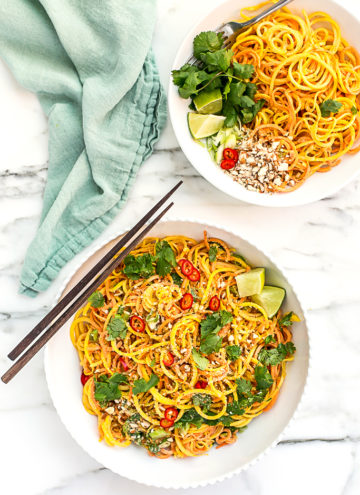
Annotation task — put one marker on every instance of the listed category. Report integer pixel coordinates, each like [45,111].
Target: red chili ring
[168,359]
[194,275]
[166,423]
[201,384]
[227,164]
[171,413]
[187,268]
[214,303]
[231,154]
[137,323]
[84,378]
[123,364]
[186,301]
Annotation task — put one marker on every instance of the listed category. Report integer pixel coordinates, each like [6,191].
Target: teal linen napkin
[90,63]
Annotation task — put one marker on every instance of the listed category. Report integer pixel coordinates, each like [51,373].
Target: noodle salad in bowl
[276,110]
[181,347]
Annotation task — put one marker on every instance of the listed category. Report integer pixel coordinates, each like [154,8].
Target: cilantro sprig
[165,258]
[209,340]
[139,266]
[329,106]
[96,299]
[217,71]
[142,386]
[277,354]
[107,388]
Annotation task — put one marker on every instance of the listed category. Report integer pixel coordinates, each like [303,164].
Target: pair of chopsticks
[79,294]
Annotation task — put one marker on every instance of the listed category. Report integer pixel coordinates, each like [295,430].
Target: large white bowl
[63,376]
[318,186]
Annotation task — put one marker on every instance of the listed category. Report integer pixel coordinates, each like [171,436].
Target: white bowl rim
[241,193]
[211,481]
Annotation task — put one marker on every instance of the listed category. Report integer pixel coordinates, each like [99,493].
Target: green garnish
[142,386]
[96,299]
[210,341]
[286,320]
[117,327]
[176,278]
[269,339]
[94,335]
[233,352]
[213,252]
[277,354]
[139,266]
[263,378]
[329,106]
[203,401]
[201,362]
[219,72]
[165,258]
[107,388]
[354,110]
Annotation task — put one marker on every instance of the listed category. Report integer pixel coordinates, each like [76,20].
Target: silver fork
[230,30]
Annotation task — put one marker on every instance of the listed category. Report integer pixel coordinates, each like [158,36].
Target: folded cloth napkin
[91,65]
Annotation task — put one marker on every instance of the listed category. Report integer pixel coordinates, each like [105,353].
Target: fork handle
[273,8]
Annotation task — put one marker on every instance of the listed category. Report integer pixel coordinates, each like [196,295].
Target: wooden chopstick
[77,303]
[94,272]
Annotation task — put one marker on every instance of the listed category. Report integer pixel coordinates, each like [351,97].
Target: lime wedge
[208,101]
[202,126]
[251,283]
[270,299]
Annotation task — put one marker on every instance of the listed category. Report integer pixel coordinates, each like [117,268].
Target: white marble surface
[318,245]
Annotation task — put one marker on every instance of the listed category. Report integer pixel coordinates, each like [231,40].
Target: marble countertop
[318,245]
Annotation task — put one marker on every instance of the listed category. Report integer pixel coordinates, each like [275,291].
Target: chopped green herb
[152,363]
[139,266]
[201,362]
[142,386]
[107,388]
[96,300]
[263,378]
[243,71]
[286,320]
[233,352]
[269,339]
[243,386]
[203,401]
[165,258]
[176,278]
[116,328]
[329,106]
[94,335]
[354,110]
[213,252]
[276,355]
[210,341]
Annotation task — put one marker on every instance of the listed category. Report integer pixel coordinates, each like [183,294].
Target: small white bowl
[63,376]
[318,186]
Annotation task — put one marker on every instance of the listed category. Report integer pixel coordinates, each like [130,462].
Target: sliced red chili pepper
[186,301]
[168,359]
[187,268]
[214,303]
[166,423]
[137,323]
[123,364]
[231,154]
[180,262]
[201,384]
[84,378]
[194,275]
[227,164]
[171,413]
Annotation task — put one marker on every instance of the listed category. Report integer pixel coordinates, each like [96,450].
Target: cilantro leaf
[229,111]
[116,328]
[190,86]
[209,340]
[190,417]
[246,102]
[269,339]
[233,352]
[107,388]
[251,89]
[213,252]
[234,408]
[165,258]
[277,354]
[329,106]
[263,378]
[179,76]
[139,266]
[201,362]
[176,278]
[142,386]
[208,41]
[243,71]
[203,401]
[286,320]
[237,89]
[217,61]
[243,386]
[354,110]
[96,299]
